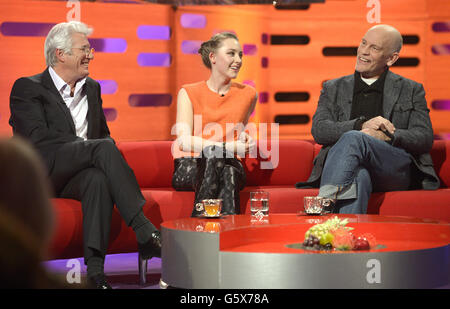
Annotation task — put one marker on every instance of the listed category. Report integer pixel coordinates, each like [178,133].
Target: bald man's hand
[379,123]
[377,134]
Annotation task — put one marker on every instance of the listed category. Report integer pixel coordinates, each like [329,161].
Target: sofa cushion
[151,161]
[292,162]
[430,204]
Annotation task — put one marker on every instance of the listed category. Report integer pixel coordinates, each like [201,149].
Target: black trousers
[211,176]
[95,173]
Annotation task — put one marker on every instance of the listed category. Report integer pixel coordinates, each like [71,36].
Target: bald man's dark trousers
[95,173]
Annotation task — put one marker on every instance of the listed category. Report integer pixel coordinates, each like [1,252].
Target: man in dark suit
[60,112]
[375,129]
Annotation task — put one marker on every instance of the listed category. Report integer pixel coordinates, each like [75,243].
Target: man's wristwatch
[359,123]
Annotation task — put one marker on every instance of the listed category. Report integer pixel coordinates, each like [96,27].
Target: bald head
[393,38]
[378,50]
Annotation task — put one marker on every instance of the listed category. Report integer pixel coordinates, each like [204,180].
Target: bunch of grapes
[311,241]
[317,231]
[320,236]
[315,243]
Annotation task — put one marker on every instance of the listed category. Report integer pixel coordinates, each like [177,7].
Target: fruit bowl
[333,234]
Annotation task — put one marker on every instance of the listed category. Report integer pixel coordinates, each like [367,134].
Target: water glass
[259,203]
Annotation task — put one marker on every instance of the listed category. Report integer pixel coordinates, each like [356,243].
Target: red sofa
[152,163]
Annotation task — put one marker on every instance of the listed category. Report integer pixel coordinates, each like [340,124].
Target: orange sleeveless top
[217,118]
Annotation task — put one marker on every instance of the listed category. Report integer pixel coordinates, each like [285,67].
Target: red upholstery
[293,164]
[152,163]
[441,148]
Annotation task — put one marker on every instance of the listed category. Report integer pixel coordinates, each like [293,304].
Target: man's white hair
[60,37]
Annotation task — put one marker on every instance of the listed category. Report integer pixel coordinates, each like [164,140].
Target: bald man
[374,127]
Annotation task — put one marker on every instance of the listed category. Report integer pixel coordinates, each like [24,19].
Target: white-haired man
[60,112]
[375,129]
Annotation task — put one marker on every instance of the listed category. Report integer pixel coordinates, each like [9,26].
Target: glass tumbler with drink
[210,207]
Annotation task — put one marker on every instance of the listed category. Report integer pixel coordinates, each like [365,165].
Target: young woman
[211,116]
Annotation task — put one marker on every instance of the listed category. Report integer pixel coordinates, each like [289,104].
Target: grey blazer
[404,105]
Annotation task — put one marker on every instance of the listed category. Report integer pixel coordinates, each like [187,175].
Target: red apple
[361,243]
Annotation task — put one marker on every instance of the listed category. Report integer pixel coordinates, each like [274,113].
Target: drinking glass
[259,203]
[211,207]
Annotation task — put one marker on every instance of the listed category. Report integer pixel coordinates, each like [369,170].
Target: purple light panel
[263,97]
[152,100]
[250,49]
[190,47]
[441,49]
[109,45]
[264,38]
[110,114]
[149,32]
[25,29]
[154,59]
[108,86]
[441,26]
[193,20]
[441,104]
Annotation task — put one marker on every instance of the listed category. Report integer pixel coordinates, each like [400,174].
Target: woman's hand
[239,147]
[248,141]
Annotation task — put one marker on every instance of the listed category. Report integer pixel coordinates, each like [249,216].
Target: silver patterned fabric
[214,174]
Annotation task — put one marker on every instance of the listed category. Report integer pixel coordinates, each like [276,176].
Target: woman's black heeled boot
[206,186]
[152,248]
[232,181]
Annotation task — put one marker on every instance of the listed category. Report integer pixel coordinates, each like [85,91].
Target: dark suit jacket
[404,105]
[39,114]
